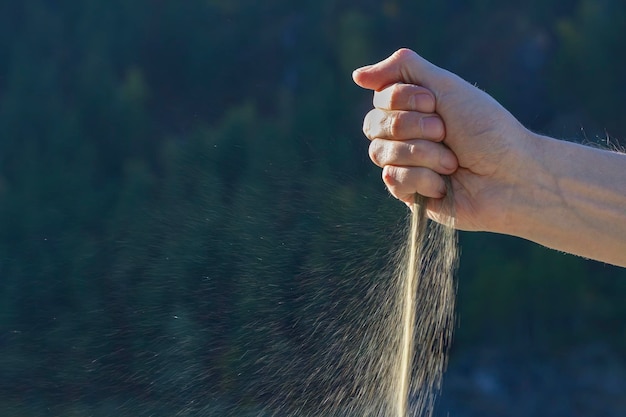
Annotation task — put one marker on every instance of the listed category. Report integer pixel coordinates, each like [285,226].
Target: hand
[483,141]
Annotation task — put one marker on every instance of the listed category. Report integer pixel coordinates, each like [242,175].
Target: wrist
[530,185]
[567,198]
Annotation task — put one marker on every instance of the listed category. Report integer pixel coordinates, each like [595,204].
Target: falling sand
[427,307]
[375,337]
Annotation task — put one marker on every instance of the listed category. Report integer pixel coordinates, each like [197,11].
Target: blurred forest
[172,174]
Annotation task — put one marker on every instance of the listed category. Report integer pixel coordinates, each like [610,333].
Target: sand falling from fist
[375,337]
[426,308]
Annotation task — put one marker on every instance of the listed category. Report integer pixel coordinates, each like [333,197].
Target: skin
[428,122]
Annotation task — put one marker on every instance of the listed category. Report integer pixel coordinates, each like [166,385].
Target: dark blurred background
[182,181]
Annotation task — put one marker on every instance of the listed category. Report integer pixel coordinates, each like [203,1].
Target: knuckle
[389,173]
[373,151]
[395,96]
[381,98]
[415,152]
[367,123]
[404,53]
[384,124]
[392,123]
[399,174]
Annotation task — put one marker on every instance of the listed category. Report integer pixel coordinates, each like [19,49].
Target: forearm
[573,199]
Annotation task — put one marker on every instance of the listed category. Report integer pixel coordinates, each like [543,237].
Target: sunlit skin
[428,122]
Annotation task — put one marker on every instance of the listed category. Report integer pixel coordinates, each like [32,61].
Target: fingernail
[422,102]
[448,161]
[432,127]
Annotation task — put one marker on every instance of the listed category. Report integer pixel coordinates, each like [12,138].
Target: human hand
[487,141]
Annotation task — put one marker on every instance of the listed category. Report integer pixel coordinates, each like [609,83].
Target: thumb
[403,66]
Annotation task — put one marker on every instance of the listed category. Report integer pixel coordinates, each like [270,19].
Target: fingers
[405,97]
[401,114]
[413,166]
[403,66]
[404,128]
[402,125]
[404,182]
[413,153]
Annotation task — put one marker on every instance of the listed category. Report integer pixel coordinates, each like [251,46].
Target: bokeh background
[182,182]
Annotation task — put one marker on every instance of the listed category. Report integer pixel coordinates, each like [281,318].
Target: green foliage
[184,185]
[590,67]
